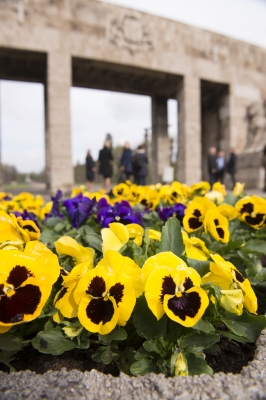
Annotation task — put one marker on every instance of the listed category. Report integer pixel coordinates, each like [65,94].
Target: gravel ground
[250,384]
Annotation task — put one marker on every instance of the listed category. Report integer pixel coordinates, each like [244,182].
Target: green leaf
[107,356]
[146,323]
[197,365]
[231,199]
[255,246]
[198,339]
[59,227]
[204,326]
[9,342]
[232,336]
[171,239]
[233,225]
[52,341]
[6,357]
[94,241]
[152,346]
[48,236]
[117,334]
[51,222]
[202,267]
[246,325]
[141,353]
[142,367]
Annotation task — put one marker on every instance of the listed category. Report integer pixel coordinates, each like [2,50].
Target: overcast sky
[94,113]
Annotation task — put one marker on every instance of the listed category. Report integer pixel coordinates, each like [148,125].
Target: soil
[30,358]
[232,356]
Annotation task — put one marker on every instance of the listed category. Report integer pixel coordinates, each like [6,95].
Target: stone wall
[126,50]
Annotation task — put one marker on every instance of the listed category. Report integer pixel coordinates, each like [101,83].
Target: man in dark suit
[212,165]
[231,165]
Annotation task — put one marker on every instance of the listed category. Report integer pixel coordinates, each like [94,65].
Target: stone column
[58,137]
[160,139]
[189,130]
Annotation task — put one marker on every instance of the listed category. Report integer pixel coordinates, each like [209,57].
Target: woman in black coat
[105,166]
[90,170]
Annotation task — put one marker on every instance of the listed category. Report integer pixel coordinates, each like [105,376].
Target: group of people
[218,165]
[129,165]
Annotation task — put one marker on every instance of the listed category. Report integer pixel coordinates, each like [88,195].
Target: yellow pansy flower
[114,237]
[238,189]
[114,262]
[219,187]
[199,189]
[68,246]
[28,229]
[252,211]
[136,232]
[232,299]
[228,271]
[181,368]
[121,190]
[105,300]
[195,213]
[195,248]
[44,211]
[217,225]
[177,293]
[215,196]
[25,286]
[9,231]
[64,300]
[117,235]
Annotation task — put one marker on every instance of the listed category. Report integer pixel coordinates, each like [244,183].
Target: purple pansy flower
[55,211]
[79,208]
[177,210]
[25,215]
[120,212]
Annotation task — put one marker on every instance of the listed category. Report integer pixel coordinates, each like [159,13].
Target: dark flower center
[25,300]
[220,232]
[247,208]
[194,223]
[117,292]
[18,275]
[100,310]
[256,220]
[185,306]
[61,294]
[168,287]
[97,287]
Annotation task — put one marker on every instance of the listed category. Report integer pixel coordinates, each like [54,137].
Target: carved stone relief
[130,33]
[256,126]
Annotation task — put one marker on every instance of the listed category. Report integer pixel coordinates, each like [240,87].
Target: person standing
[90,170]
[125,164]
[263,164]
[140,166]
[105,165]
[212,165]
[220,161]
[231,166]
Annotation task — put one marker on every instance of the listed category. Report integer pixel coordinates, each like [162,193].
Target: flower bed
[151,279]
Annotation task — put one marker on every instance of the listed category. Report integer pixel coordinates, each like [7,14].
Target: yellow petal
[154,235]
[164,259]
[69,246]
[114,237]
